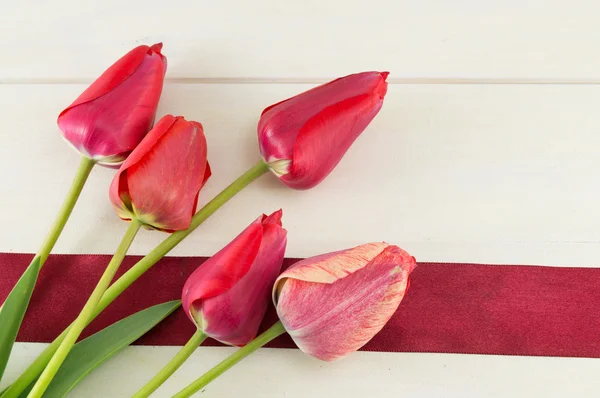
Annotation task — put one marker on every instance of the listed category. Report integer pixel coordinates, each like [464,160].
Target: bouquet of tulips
[331,304]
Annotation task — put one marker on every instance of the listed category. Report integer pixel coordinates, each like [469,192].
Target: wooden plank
[274,373]
[535,40]
[469,173]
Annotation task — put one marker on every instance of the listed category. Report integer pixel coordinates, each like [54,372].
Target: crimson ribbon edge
[458,308]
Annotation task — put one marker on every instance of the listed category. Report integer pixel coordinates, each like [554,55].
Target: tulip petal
[334,91]
[110,118]
[274,218]
[207,174]
[222,271]
[173,153]
[325,138]
[234,317]
[280,123]
[164,184]
[330,267]
[228,295]
[118,186]
[116,74]
[330,320]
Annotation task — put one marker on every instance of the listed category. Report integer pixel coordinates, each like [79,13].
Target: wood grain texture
[276,373]
[533,40]
[456,173]
[492,173]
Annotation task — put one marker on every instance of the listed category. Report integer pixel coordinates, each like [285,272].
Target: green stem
[172,366]
[23,294]
[273,332]
[86,314]
[137,270]
[85,167]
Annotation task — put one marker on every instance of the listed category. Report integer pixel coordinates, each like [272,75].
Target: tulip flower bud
[228,295]
[304,137]
[109,119]
[333,304]
[159,183]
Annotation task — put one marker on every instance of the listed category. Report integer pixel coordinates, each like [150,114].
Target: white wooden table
[486,150]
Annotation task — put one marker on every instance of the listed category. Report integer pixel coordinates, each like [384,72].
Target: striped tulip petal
[331,305]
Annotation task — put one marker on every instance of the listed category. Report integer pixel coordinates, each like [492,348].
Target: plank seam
[251,80]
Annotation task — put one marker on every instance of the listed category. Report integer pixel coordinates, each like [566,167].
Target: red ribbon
[449,308]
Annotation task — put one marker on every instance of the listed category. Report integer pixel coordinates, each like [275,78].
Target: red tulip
[227,296]
[111,117]
[303,138]
[333,304]
[159,182]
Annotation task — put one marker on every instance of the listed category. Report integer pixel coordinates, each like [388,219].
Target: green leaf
[88,354]
[13,311]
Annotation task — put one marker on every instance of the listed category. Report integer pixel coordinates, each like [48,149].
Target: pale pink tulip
[333,304]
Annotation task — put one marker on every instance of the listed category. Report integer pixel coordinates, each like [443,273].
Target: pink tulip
[303,138]
[227,296]
[111,117]
[333,304]
[159,182]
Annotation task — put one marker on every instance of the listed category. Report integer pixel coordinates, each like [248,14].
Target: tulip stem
[260,168]
[270,334]
[85,167]
[86,314]
[175,363]
[83,172]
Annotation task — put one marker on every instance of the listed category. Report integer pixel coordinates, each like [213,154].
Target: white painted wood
[276,373]
[468,173]
[313,39]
